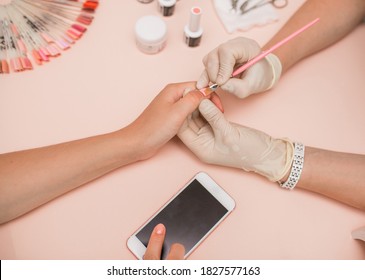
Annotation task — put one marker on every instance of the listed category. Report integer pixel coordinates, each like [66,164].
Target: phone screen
[187,218]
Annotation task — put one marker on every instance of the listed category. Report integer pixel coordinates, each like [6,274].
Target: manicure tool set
[249,5]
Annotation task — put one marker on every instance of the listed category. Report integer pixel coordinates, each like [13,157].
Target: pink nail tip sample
[34,31]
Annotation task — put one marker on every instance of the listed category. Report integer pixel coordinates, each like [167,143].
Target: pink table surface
[96,87]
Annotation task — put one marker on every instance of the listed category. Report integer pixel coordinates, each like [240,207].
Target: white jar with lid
[151,34]
[145,1]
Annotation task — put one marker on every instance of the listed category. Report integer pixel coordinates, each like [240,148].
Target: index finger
[176,91]
[155,243]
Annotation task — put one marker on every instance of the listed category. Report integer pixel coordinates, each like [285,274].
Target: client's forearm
[33,177]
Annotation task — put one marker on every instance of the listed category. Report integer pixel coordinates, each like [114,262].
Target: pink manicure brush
[239,70]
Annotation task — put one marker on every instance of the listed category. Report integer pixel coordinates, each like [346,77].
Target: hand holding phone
[189,217]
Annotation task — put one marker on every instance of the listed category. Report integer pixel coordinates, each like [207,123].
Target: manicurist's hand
[223,60]
[155,244]
[215,140]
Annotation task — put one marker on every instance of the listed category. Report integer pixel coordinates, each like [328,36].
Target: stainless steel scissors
[244,8]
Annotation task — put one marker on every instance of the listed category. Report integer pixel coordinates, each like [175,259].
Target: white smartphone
[189,217]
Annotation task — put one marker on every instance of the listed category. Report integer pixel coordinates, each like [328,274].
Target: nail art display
[35,31]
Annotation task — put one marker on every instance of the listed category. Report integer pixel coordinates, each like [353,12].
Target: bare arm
[337,19]
[215,140]
[33,177]
[340,176]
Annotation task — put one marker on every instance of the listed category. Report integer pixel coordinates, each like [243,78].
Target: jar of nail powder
[166,7]
[151,34]
[145,1]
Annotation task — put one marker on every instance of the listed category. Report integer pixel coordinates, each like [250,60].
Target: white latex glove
[221,62]
[217,141]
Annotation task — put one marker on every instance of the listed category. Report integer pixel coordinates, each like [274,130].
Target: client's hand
[163,117]
[215,140]
[161,120]
[155,244]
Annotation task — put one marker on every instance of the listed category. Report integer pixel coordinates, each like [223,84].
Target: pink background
[103,83]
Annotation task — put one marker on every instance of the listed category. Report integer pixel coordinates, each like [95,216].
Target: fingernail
[206,91]
[159,229]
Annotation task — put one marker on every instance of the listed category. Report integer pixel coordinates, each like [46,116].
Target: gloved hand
[222,61]
[217,141]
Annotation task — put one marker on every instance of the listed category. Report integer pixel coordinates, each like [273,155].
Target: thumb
[213,115]
[190,102]
[226,64]
[235,51]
